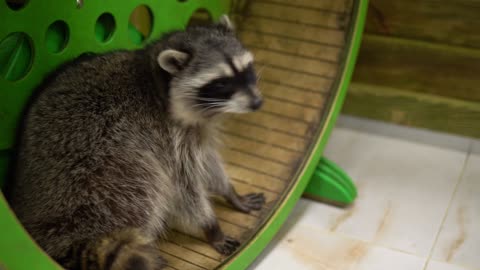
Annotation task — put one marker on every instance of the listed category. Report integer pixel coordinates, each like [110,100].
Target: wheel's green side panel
[17,250]
[242,259]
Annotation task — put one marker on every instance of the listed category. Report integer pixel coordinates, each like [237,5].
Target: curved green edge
[248,253]
[17,250]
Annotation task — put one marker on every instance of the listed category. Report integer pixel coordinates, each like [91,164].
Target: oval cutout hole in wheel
[57,36]
[16,56]
[104,27]
[140,24]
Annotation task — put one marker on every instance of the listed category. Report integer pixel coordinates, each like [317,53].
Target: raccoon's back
[79,117]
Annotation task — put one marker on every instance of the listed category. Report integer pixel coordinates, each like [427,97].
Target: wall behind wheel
[419,65]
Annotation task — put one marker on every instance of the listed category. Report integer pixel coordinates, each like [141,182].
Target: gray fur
[102,149]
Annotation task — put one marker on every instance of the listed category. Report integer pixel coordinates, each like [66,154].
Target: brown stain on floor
[356,252]
[341,219]
[341,256]
[461,237]
[387,213]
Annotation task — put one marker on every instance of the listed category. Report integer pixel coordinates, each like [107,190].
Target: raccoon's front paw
[252,201]
[226,246]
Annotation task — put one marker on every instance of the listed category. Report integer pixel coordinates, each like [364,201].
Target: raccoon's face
[231,87]
[214,75]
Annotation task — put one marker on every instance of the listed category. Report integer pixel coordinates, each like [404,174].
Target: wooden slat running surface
[297,45]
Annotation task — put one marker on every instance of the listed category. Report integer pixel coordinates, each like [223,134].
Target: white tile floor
[418,206]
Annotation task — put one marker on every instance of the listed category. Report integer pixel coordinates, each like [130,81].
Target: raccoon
[117,148]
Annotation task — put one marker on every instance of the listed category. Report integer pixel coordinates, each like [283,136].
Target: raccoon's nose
[256,103]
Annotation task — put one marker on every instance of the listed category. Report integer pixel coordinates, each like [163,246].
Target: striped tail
[125,250]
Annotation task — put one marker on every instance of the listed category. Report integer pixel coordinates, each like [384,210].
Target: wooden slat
[247,176]
[232,230]
[261,149]
[311,99]
[266,166]
[235,217]
[296,79]
[310,66]
[177,263]
[276,186]
[291,110]
[419,66]
[335,5]
[193,257]
[195,244]
[295,14]
[264,135]
[290,46]
[277,122]
[294,31]
[449,22]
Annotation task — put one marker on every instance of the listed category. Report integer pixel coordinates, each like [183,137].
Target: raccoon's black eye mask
[223,88]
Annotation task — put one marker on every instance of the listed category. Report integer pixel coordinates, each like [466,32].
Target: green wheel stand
[331,184]
[308,49]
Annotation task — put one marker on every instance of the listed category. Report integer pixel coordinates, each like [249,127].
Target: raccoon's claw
[226,246]
[253,201]
[246,203]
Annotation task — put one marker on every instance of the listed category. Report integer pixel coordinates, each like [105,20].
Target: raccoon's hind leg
[196,212]
[123,250]
[222,243]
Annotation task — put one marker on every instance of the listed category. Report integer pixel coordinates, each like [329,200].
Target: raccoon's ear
[225,21]
[172,61]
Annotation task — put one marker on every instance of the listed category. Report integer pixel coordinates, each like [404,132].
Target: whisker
[209,99]
[209,108]
[209,105]
[259,72]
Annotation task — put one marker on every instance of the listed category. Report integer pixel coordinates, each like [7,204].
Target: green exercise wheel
[305,51]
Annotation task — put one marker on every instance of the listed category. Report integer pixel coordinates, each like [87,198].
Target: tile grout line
[455,190]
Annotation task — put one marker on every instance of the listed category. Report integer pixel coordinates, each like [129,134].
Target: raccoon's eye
[219,85]
[251,77]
